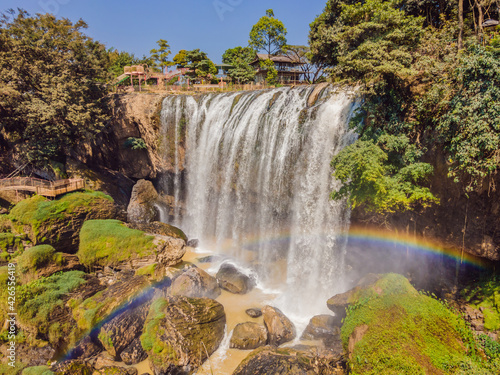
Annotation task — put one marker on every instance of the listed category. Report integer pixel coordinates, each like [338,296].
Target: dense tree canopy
[240,58]
[52,84]
[200,66]
[180,59]
[269,34]
[420,95]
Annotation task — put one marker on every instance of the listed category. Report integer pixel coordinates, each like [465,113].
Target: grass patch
[108,242]
[147,270]
[5,369]
[486,294]
[36,257]
[37,370]
[38,299]
[408,332]
[37,210]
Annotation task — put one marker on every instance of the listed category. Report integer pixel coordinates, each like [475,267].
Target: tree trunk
[460,24]
[480,19]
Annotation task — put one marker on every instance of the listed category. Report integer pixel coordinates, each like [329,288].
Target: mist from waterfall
[258,184]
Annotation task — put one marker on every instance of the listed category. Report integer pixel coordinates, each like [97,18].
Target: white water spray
[258,185]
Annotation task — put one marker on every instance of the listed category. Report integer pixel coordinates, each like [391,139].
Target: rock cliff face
[462,220]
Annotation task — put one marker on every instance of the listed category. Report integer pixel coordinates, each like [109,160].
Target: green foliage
[491,347]
[135,143]
[200,66]
[147,270]
[160,55]
[108,242]
[240,58]
[369,181]
[52,91]
[10,241]
[485,294]
[268,34]
[36,257]
[272,73]
[9,370]
[408,332]
[421,97]
[471,128]
[180,59]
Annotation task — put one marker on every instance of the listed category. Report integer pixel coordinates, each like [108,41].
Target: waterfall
[258,184]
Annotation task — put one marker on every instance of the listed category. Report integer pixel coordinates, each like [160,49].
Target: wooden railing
[42,187]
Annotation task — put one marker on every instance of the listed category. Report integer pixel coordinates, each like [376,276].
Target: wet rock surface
[254,312]
[181,332]
[233,280]
[280,329]
[141,206]
[134,353]
[248,335]
[195,283]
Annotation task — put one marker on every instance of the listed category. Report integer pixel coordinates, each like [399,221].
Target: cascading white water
[258,184]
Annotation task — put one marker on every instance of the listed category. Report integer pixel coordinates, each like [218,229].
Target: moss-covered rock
[286,361]
[93,310]
[484,295]
[58,222]
[44,310]
[112,243]
[109,242]
[391,328]
[10,245]
[181,332]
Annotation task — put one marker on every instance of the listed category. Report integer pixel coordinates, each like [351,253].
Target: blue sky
[211,25]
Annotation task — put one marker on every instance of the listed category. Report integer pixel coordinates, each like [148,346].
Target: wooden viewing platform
[42,187]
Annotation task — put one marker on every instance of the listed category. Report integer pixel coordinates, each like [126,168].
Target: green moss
[485,294]
[36,257]
[408,332]
[37,210]
[107,242]
[37,370]
[147,270]
[9,241]
[5,369]
[38,299]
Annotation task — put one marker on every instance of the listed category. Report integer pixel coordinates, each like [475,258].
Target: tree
[160,55]
[272,73]
[200,66]
[367,180]
[313,72]
[470,129]
[180,59]
[240,58]
[52,85]
[269,34]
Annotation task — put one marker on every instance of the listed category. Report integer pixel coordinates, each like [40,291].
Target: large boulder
[111,243]
[288,361]
[58,222]
[325,328]
[195,283]
[141,208]
[181,332]
[234,281]
[248,335]
[280,329]
[412,332]
[121,294]
[118,333]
